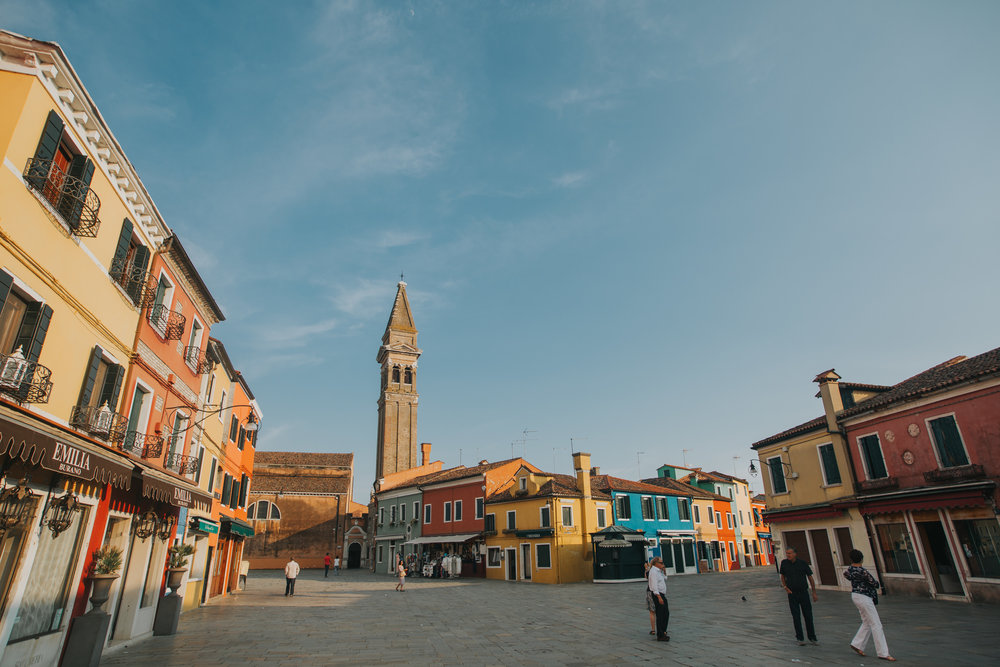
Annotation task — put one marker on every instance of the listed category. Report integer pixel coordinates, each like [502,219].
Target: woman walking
[650,605]
[864,594]
[401,571]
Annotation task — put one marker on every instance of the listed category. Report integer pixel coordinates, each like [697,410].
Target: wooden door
[824,566]
[844,543]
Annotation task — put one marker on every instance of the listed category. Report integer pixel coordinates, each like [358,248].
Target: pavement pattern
[736,618]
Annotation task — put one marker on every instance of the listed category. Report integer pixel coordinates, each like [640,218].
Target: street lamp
[251,425]
[785,466]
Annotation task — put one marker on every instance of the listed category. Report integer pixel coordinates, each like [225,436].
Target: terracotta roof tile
[265,483]
[558,486]
[805,427]
[325,459]
[684,488]
[607,482]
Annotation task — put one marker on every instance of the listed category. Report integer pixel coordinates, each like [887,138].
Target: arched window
[395,374]
[408,377]
[262,510]
[275,512]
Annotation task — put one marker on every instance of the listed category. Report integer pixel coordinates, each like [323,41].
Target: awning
[767,535]
[64,454]
[158,486]
[969,498]
[204,525]
[237,527]
[386,538]
[539,532]
[825,512]
[675,533]
[443,539]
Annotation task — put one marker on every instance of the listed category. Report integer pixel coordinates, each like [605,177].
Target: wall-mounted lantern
[166,528]
[15,504]
[60,514]
[145,524]
[13,371]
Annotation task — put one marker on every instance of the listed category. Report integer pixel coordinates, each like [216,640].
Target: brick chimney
[425,453]
[581,464]
[829,391]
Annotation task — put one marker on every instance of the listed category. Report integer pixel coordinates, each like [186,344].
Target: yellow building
[810,491]
[538,526]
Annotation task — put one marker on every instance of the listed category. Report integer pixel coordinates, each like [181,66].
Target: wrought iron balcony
[956,474]
[879,484]
[23,380]
[143,445]
[168,323]
[131,278]
[100,422]
[181,464]
[195,358]
[70,196]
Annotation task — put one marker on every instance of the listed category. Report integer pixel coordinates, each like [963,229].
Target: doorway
[510,556]
[526,561]
[824,557]
[942,565]
[354,556]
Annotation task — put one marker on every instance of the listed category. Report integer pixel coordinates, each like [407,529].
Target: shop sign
[68,460]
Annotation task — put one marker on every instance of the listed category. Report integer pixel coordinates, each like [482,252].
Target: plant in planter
[107,563]
[177,564]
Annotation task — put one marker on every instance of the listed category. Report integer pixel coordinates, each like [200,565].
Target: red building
[926,454]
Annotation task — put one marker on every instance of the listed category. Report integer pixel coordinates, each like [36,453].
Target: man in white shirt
[291,571]
[658,587]
[336,565]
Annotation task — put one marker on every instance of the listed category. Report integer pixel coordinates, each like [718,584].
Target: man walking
[797,580]
[326,564]
[658,587]
[336,564]
[291,571]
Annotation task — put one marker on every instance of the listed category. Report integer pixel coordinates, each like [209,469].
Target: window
[511,520]
[395,374]
[392,515]
[101,385]
[222,404]
[447,512]
[427,513]
[234,428]
[730,489]
[380,553]
[623,508]
[402,512]
[490,523]
[381,516]
[62,175]
[828,462]
[408,376]
[242,441]
[871,455]
[718,520]
[741,517]
[522,483]
[159,314]
[543,556]
[711,516]
[211,475]
[980,540]
[175,444]
[647,508]
[948,442]
[662,509]
[263,510]
[777,471]
[128,266]
[210,389]
[729,520]
[458,510]
[194,344]
[416,509]
[23,325]
[493,556]
[479,508]
[732,551]
[602,517]
[544,518]
[697,514]
[567,515]
[897,550]
[201,459]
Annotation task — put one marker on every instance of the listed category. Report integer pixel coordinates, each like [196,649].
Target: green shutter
[91,375]
[121,251]
[243,438]
[112,387]
[71,207]
[6,280]
[227,489]
[48,144]
[138,278]
[31,337]
[244,483]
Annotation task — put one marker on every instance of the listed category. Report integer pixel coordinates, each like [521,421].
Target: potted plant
[177,564]
[107,563]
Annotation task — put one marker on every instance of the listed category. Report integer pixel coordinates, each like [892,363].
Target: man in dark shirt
[797,580]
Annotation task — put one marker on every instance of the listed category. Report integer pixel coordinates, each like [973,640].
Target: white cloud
[296,335]
[570,179]
[364,299]
[587,97]
[398,238]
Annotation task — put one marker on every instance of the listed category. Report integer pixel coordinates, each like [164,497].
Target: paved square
[357,618]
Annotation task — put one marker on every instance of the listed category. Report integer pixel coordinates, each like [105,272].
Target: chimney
[595,471]
[581,464]
[425,453]
[829,391]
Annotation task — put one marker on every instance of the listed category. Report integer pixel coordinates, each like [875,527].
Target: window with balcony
[948,442]
[828,462]
[129,264]
[871,456]
[98,400]
[23,326]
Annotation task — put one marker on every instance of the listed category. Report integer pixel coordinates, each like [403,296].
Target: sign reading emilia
[76,461]
[168,492]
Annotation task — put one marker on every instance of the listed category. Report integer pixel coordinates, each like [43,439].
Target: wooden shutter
[244,484]
[31,337]
[235,496]
[227,488]
[243,437]
[112,387]
[137,281]
[121,250]
[6,281]
[71,207]
[91,375]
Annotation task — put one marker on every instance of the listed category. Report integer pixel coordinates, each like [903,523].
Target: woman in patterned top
[864,594]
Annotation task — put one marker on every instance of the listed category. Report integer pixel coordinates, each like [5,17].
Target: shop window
[545,518]
[897,549]
[828,461]
[46,593]
[948,442]
[871,454]
[980,540]
[11,545]
[647,508]
[493,556]
[602,517]
[662,509]
[154,572]
[543,556]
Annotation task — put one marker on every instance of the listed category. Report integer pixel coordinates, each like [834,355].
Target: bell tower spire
[397,403]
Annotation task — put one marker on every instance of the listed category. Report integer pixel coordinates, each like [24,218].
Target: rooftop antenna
[685,455]
[735,459]
[638,465]
[459,456]
[524,442]
[571,439]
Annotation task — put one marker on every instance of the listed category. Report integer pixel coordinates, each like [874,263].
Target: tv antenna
[571,439]
[524,442]
[684,453]
[638,465]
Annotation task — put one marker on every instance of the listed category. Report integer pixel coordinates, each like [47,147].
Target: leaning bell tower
[397,403]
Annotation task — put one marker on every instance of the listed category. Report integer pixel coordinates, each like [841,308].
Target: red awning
[824,512]
[968,498]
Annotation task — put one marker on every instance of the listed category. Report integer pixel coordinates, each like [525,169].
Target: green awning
[237,527]
[204,525]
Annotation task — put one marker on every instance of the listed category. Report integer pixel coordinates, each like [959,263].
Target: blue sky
[646,226]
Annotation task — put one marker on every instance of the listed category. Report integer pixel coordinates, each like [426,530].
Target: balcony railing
[195,358]
[71,197]
[168,323]
[23,380]
[100,422]
[879,484]
[957,474]
[181,464]
[131,278]
[143,445]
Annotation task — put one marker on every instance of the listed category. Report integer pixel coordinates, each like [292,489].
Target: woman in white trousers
[864,594]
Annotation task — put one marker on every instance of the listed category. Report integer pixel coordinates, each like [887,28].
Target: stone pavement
[357,618]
